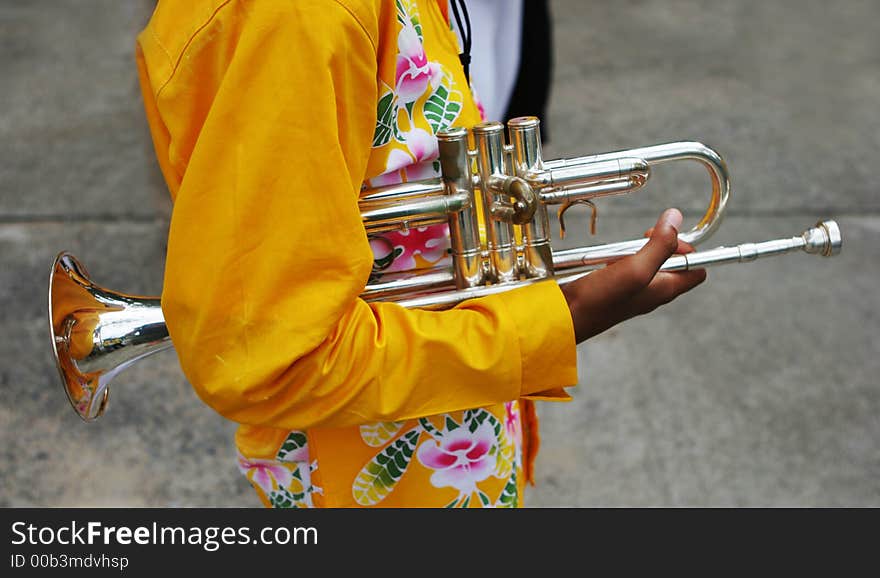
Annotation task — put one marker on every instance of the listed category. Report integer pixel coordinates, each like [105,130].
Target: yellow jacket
[264,119]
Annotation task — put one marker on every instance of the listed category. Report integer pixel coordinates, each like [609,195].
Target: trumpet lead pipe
[596,255]
[823,239]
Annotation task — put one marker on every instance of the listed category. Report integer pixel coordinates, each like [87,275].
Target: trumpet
[494,197]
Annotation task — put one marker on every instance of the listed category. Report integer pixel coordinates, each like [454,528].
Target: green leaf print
[505,460]
[509,497]
[428,426]
[474,418]
[377,434]
[283,498]
[442,107]
[386,120]
[295,441]
[378,478]
[402,16]
[414,18]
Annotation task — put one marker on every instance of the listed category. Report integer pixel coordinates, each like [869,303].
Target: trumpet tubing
[494,197]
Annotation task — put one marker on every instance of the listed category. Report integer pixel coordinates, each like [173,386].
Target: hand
[631,286]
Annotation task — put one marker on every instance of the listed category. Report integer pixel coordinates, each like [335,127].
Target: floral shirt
[269,117]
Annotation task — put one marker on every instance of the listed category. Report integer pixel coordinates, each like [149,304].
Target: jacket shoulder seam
[175,64]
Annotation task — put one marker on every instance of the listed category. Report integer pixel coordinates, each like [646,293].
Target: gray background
[760,388]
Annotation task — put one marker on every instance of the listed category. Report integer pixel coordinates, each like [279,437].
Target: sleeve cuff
[546,339]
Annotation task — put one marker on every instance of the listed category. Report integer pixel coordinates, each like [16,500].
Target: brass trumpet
[505,186]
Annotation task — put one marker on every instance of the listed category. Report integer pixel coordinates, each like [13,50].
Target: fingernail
[673,217]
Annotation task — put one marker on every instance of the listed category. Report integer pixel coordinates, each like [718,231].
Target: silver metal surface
[418,212]
[410,282]
[96,333]
[401,191]
[525,140]
[464,227]
[491,162]
[824,239]
[665,153]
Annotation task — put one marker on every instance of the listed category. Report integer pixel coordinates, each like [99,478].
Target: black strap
[465,56]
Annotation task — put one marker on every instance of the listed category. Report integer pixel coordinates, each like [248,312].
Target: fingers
[664,288]
[682,246]
[632,285]
[638,270]
[630,275]
[668,286]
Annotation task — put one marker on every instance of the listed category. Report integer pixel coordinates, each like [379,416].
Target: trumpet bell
[96,333]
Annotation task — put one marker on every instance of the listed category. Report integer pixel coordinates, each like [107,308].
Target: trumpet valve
[525,201]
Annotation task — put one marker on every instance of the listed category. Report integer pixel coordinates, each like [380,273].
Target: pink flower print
[422,145]
[421,171]
[461,458]
[381,247]
[82,406]
[417,160]
[413,72]
[431,243]
[268,474]
[512,424]
[397,159]
[300,454]
[385,179]
[479,104]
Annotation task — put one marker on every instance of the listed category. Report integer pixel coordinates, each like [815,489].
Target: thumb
[662,243]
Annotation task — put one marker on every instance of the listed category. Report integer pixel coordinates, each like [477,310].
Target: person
[511,57]
[530,94]
[496,41]
[268,118]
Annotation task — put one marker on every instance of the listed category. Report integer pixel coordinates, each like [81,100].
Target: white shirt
[496,32]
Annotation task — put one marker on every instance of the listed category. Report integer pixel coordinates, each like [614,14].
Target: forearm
[384,363]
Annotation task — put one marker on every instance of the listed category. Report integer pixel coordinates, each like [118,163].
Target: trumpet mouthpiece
[823,239]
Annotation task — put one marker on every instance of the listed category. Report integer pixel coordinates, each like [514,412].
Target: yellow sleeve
[263,128]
